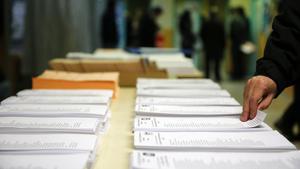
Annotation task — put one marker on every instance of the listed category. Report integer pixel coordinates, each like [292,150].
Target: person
[132,27]
[148,27]
[109,32]
[187,37]
[239,34]
[280,66]
[5,88]
[213,37]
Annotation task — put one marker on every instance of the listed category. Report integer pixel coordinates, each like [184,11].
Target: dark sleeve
[281,59]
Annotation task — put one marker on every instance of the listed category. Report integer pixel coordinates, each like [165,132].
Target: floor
[275,110]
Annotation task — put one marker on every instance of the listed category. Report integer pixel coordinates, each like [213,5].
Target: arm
[280,66]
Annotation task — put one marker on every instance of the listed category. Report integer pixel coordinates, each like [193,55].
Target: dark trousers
[213,58]
[238,62]
[291,116]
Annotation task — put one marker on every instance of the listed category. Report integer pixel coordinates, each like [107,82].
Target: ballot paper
[189,93]
[218,141]
[172,81]
[103,100]
[66,92]
[215,160]
[178,86]
[39,110]
[44,161]
[48,142]
[210,101]
[50,125]
[166,110]
[189,124]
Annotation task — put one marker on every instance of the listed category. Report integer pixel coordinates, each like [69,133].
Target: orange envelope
[70,80]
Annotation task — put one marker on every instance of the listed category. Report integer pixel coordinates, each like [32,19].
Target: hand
[258,94]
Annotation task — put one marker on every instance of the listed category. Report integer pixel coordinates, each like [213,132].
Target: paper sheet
[215,160]
[210,101]
[229,141]
[164,110]
[179,86]
[44,161]
[38,110]
[48,125]
[57,100]
[66,92]
[189,124]
[172,81]
[48,142]
[189,93]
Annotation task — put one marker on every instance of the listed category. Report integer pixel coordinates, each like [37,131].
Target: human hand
[258,94]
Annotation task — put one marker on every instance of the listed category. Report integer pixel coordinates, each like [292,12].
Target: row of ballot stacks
[194,123]
[153,64]
[59,123]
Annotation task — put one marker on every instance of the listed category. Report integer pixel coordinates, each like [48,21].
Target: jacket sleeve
[281,61]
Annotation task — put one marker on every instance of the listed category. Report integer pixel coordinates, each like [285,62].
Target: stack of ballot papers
[58,92]
[226,123]
[95,100]
[70,80]
[43,125]
[44,161]
[176,64]
[217,141]
[215,160]
[179,120]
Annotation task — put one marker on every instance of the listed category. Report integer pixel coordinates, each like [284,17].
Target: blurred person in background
[213,37]
[239,34]
[278,69]
[187,37]
[132,28]
[4,86]
[148,27]
[109,32]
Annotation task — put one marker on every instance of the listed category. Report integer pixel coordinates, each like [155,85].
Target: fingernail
[243,118]
[252,116]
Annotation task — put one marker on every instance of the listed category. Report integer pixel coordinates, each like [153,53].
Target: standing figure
[187,37]
[148,27]
[239,34]
[109,32]
[213,37]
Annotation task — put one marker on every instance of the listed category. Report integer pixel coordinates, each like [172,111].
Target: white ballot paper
[66,92]
[189,93]
[58,143]
[50,125]
[219,141]
[173,81]
[166,110]
[178,86]
[44,161]
[210,101]
[54,110]
[215,160]
[189,124]
[100,100]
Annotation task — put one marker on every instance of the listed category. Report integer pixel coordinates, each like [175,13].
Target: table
[116,144]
